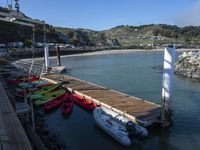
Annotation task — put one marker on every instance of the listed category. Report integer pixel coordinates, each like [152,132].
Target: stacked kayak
[65,100]
[131,127]
[22,79]
[44,98]
[25,91]
[83,102]
[54,103]
[38,83]
[43,93]
[111,126]
[48,88]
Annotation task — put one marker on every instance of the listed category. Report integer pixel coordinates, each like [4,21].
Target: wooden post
[167,85]
[58,56]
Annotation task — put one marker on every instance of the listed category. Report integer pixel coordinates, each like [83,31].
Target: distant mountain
[124,36]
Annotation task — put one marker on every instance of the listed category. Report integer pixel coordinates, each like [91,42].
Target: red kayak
[83,102]
[54,103]
[33,77]
[67,104]
[21,79]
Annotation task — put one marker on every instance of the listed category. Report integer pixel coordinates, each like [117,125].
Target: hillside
[124,36]
[155,35]
[87,37]
[13,32]
[130,36]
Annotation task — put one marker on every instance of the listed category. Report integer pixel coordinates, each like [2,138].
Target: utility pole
[58,56]
[167,85]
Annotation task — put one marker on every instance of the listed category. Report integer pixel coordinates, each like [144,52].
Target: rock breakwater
[188,65]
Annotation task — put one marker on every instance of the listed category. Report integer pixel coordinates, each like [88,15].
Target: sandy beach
[107,52]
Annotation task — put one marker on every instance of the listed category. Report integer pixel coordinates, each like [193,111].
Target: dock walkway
[136,109]
[12,134]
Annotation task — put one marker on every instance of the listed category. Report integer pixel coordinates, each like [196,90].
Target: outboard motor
[130,126]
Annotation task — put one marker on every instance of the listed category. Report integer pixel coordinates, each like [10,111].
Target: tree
[156,32]
[74,42]
[70,34]
[27,43]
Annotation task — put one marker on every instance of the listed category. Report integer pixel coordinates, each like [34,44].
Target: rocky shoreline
[188,65]
[44,133]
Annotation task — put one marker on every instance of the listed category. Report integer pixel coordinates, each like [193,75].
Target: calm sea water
[136,74]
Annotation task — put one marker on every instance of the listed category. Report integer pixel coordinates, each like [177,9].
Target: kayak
[33,78]
[132,127]
[42,95]
[83,102]
[49,97]
[113,128]
[47,89]
[14,81]
[54,103]
[25,91]
[38,83]
[22,79]
[67,104]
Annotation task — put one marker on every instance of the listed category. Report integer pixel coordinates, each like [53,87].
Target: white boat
[134,128]
[113,128]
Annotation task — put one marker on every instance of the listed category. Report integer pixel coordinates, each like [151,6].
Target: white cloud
[190,17]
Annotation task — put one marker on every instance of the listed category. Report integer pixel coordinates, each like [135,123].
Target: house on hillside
[15,44]
[69,46]
[39,45]
[2,45]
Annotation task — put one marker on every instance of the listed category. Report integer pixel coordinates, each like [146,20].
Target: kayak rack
[135,109]
[12,134]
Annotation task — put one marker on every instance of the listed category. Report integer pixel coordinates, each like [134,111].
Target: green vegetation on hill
[13,32]
[86,37]
[156,35]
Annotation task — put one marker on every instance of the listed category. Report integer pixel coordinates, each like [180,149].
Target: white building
[15,44]
[2,45]
[69,46]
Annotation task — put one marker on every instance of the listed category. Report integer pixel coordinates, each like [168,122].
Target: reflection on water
[136,74]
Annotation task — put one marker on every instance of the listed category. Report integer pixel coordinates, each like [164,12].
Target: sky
[105,14]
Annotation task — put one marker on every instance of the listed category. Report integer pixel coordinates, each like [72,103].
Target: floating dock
[138,110]
[12,134]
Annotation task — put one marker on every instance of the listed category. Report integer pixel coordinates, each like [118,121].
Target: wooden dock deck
[12,134]
[136,109]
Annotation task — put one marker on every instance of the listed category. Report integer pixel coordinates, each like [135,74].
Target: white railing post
[46,56]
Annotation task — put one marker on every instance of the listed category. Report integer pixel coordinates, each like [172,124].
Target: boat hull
[114,129]
[139,130]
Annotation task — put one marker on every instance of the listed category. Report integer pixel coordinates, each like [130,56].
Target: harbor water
[138,74]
